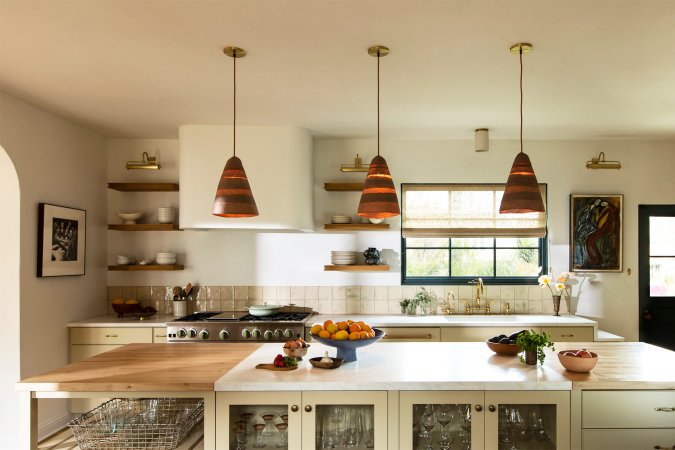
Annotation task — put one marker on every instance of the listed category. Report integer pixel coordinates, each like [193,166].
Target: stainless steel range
[239,326]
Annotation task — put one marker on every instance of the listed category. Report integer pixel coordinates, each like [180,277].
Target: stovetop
[241,316]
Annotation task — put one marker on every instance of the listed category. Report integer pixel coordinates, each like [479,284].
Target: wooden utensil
[188,289]
[273,367]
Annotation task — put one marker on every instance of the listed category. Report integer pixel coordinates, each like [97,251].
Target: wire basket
[134,423]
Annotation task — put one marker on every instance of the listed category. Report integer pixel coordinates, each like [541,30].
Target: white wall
[60,163]
[261,258]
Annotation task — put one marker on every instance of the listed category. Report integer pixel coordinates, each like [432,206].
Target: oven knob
[204,335]
[192,333]
[288,333]
[268,335]
[246,334]
[278,334]
[224,334]
[182,333]
[256,333]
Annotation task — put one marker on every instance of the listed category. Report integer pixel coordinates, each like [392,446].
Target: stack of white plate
[166,215]
[340,219]
[342,258]
[165,258]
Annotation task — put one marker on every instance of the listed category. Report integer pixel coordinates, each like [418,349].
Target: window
[454,233]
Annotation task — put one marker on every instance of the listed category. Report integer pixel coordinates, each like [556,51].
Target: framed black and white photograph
[61,240]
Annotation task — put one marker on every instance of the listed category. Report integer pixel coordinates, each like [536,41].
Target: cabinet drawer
[628,409]
[159,335]
[631,439]
[110,335]
[476,334]
[570,334]
[411,334]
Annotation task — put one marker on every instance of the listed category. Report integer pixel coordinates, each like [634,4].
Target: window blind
[464,210]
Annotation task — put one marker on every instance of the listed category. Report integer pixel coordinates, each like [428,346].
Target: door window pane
[472,263]
[527,427]
[472,242]
[662,236]
[518,242]
[441,426]
[345,426]
[662,277]
[427,263]
[259,426]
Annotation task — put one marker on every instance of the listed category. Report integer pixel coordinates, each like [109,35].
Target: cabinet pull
[479,408]
[566,335]
[308,408]
[664,409]
[407,338]
[658,447]
[492,408]
[294,408]
[160,335]
[111,335]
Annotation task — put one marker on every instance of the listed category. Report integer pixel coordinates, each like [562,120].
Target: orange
[371,334]
[341,335]
[363,334]
[316,329]
[342,325]
[331,328]
[326,323]
[354,336]
[324,334]
[332,336]
[350,321]
[354,328]
[361,323]
[366,327]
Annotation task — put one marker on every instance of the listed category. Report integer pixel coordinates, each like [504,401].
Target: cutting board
[273,367]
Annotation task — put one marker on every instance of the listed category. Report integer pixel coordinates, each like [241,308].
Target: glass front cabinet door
[441,420]
[308,420]
[524,420]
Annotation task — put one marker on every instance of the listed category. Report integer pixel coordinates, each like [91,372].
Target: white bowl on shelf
[130,218]
[166,215]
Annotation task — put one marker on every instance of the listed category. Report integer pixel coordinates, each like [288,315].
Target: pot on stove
[264,310]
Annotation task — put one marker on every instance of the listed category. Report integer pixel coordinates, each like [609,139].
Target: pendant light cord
[378,102]
[234,106]
[521,98]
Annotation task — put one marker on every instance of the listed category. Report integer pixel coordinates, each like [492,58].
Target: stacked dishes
[166,215]
[166,258]
[342,258]
[340,219]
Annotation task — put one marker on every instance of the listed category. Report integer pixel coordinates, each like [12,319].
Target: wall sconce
[358,166]
[600,163]
[148,163]
[482,140]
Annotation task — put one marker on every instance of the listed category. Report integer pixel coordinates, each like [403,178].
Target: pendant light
[522,194]
[378,199]
[234,197]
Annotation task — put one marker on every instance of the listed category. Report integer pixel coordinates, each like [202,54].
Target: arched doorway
[9,306]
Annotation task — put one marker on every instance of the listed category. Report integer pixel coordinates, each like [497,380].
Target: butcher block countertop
[145,367]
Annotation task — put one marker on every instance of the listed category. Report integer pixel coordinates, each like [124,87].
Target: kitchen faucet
[479,290]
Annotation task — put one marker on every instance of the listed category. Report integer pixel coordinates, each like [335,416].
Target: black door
[657,274]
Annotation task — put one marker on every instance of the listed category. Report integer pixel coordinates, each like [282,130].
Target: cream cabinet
[485,420]
[477,334]
[410,334]
[570,334]
[307,420]
[628,420]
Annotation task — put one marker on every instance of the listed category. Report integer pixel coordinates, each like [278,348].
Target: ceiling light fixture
[358,166]
[148,163]
[378,199]
[600,163]
[234,197]
[482,140]
[522,193]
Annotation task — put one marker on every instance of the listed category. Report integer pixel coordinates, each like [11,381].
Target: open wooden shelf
[144,187]
[356,226]
[344,187]
[145,227]
[356,268]
[146,267]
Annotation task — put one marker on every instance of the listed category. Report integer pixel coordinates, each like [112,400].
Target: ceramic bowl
[296,353]
[130,218]
[123,260]
[122,308]
[316,362]
[504,349]
[376,221]
[346,350]
[576,363]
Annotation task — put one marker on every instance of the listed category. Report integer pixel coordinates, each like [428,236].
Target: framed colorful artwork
[61,240]
[596,233]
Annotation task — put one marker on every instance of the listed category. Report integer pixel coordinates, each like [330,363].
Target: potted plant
[406,306]
[533,344]
[423,299]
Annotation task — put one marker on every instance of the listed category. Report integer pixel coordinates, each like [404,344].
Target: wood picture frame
[62,233]
[596,232]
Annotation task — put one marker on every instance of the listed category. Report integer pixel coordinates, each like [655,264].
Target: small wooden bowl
[316,362]
[504,349]
[296,353]
[576,363]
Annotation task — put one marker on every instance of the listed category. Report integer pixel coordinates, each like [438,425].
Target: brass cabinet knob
[479,408]
[492,408]
[308,408]
[294,408]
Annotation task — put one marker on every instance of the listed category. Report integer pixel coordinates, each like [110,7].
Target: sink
[495,318]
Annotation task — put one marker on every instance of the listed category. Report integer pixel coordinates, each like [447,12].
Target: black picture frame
[62,233]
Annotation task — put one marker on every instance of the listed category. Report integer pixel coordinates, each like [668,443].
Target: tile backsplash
[339,299]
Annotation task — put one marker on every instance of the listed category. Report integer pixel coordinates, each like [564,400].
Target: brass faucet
[477,308]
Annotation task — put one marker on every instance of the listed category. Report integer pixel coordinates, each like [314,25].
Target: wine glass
[465,425]
[428,421]
[445,415]
[369,433]
[352,428]
[239,437]
[515,424]
[259,427]
[269,427]
[282,427]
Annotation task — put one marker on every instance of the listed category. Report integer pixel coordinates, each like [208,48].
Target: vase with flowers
[558,287]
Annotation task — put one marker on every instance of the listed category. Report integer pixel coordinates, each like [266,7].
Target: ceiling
[140,68]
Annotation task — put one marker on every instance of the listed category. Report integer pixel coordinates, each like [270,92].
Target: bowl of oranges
[346,336]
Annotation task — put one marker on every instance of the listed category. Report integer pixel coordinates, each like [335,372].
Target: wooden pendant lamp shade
[522,194]
[378,198]
[234,197]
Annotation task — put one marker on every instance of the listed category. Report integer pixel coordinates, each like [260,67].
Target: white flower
[560,287]
[544,280]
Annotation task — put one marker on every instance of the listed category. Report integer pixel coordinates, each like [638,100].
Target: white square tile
[367,293]
[367,307]
[495,306]
[241,292]
[227,293]
[269,293]
[213,292]
[283,292]
[255,293]
[395,293]
[547,306]
[467,292]
[352,307]
[228,305]
[438,291]
[353,293]
[325,293]
[326,306]
[393,307]
[409,291]
[507,293]
[311,292]
[381,293]
[381,307]
[240,305]
[492,292]
[520,292]
[534,307]
[522,307]
[143,293]
[215,305]
[339,293]
[314,304]
[534,293]
[129,291]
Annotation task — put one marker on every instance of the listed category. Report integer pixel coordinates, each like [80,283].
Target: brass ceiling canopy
[524,46]
[234,52]
[378,51]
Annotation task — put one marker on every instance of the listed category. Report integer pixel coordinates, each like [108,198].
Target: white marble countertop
[516,320]
[398,366]
[111,320]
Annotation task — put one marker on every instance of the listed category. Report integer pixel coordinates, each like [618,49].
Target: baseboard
[56,424]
